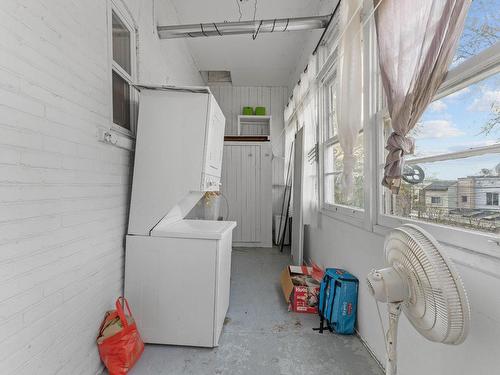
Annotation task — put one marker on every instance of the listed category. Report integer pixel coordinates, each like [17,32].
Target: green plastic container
[260,111]
[247,111]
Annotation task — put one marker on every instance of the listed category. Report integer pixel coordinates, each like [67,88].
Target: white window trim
[120,9]
[372,94]
[473,70]
[351,215]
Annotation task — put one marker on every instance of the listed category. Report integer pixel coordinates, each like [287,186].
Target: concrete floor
[260,336]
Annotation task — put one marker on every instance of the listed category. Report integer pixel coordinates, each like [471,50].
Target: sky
[455,123]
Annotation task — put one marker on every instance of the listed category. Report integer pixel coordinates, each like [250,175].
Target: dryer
[177,271]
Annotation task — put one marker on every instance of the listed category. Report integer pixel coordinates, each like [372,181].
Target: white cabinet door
[247,186]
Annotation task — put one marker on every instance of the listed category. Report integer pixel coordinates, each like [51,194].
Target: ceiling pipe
[243,27]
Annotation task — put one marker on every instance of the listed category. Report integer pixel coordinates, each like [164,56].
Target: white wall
[337,244]
[232,99]
[63,195]
[484,185]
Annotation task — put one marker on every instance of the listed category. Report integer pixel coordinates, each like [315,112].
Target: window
[124,95]
[435,200]
[492,199]
[455,197]
[444,137]
[333,191]
[458,141]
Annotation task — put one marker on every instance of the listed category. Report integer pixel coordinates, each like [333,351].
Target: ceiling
[271,59]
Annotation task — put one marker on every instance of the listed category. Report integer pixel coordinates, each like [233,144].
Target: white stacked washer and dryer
[177,271]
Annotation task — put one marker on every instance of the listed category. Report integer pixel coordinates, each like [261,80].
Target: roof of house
[440,185]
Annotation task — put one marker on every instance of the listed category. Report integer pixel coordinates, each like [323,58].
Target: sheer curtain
[310,121]
[349,90]
[301,112]
[416,40]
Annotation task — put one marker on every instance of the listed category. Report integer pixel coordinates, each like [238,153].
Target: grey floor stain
[260,336]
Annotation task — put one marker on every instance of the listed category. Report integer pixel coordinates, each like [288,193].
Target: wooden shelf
[254,125]
[246,138]
[254,119]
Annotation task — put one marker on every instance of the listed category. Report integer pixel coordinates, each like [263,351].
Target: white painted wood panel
[232,99]
[246,184]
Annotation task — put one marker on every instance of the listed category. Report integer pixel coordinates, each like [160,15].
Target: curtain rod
[326,28]
[321,38]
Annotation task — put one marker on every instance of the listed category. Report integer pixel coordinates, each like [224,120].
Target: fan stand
[391,338]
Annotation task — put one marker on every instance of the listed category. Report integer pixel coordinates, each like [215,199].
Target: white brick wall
[63,195]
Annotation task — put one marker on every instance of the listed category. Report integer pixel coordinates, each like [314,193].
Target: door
[215,140]
[297,217]
[247,188]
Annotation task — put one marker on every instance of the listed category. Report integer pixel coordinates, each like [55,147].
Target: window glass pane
[329,164]
[460,192]
[332,126]
[121,101]
[334,191]
[121,44]
[481,30]
[465,119]
[329,186]
[331,172]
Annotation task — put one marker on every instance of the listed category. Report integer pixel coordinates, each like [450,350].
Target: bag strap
[120,302]
[108,316]
[322,292]
[333,300]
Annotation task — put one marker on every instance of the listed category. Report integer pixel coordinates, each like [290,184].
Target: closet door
[246,184]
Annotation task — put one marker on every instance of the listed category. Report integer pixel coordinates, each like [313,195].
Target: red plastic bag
[123,348]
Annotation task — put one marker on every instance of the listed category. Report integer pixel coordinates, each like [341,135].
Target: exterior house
[439,195]
[465,193]
[471,200]
[479,192]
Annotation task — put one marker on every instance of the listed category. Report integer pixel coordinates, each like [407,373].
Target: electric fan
[423,282]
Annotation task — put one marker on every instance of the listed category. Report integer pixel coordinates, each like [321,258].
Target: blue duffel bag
[338,300]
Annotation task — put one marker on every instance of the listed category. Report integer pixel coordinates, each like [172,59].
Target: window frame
[435,199]
[475,69]
[492,197]
[350,214]
[372,94]
[122,12]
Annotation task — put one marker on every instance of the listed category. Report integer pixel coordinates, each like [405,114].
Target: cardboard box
[300,285]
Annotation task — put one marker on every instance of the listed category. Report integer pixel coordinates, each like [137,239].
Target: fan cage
[437,306]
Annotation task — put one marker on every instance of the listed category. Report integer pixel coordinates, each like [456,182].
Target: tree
[494,120]
[481,31]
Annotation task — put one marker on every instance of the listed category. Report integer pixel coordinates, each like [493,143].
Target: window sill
[347,215]
[450,237]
